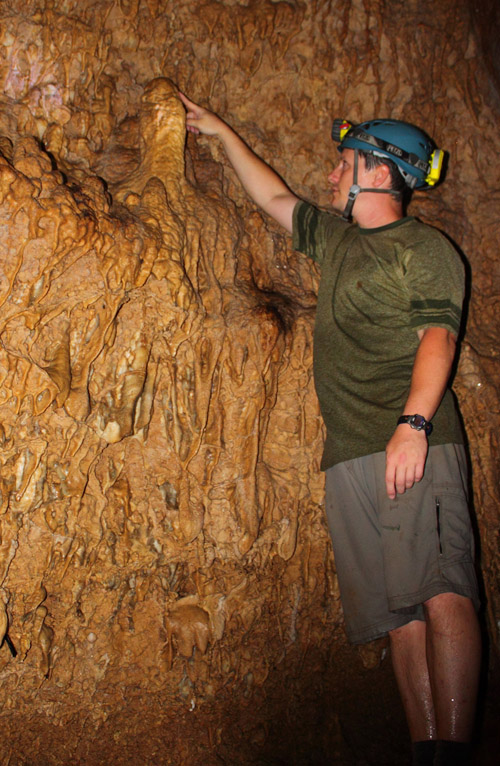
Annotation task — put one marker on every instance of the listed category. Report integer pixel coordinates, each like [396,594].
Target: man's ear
[382,176]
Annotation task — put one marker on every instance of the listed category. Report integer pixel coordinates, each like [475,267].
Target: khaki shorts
[393,555]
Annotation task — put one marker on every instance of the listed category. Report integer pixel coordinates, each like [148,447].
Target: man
[388,314]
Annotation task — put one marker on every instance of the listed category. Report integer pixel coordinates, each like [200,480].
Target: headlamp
[435,167]
[339,129]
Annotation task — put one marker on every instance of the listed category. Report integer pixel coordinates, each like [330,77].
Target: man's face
[341,177]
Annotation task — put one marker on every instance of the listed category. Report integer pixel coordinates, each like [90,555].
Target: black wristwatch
[418,422]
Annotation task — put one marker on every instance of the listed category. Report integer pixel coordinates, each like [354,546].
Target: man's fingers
[403,479]
[185,100]
[400,478]
[194,112]
[414,473]
[390,481]
[419,471]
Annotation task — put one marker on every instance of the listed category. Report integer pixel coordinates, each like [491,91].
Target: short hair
[402,191]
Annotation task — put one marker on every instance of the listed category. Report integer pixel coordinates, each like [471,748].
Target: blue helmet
[418,161]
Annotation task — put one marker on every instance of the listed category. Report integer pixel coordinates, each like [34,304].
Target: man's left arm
[406,451]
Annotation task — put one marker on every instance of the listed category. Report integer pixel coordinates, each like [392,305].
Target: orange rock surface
[163,553]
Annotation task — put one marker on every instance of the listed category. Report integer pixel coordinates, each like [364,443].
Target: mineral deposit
[166,578]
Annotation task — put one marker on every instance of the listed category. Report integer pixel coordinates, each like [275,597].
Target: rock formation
[163,553]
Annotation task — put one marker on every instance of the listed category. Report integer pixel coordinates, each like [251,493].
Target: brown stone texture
[166,577]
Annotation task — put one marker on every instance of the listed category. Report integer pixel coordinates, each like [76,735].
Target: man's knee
[451,614]
[448,602]
[411,630]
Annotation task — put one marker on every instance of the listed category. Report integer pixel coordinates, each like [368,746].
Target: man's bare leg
[453,657]
[437,665]
[409,660]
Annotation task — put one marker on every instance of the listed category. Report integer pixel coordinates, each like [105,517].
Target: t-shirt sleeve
[314,230]
[435,279]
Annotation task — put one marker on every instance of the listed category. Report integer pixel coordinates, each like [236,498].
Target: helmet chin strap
[356,189]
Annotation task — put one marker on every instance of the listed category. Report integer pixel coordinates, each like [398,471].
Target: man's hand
[406,453]
[262,183]
[200,120]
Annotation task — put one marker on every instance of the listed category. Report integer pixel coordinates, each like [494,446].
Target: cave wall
[163,551]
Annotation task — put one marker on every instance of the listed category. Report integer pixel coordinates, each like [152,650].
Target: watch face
[418,422]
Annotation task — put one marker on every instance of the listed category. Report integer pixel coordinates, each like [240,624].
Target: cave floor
[347,715]
[365,725]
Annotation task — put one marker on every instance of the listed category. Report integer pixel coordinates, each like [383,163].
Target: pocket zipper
[438,523]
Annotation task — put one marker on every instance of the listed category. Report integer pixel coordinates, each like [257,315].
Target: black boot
[423,752]
[453,753]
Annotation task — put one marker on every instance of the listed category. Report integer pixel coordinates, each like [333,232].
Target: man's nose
[333,176]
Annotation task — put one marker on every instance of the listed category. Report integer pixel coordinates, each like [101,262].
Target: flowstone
[166,578]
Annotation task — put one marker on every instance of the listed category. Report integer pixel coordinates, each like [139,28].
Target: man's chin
[337,205]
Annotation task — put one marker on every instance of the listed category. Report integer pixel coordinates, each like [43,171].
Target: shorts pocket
[455,538]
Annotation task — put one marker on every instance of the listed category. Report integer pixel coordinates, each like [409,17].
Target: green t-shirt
[378,287]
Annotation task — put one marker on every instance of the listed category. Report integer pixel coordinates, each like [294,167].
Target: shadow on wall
[486,22]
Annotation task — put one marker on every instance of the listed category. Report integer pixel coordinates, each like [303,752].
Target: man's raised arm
[260,181]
